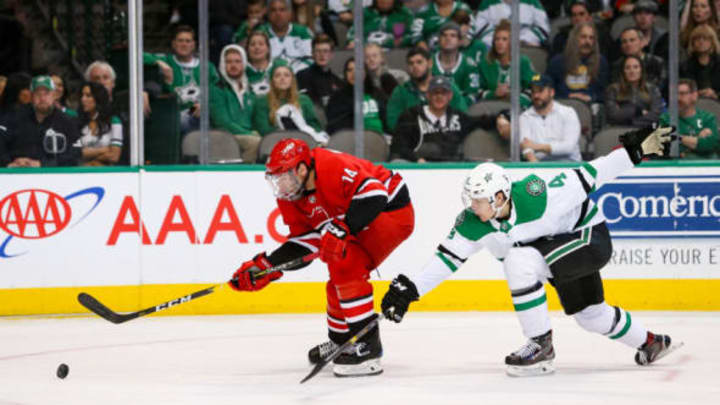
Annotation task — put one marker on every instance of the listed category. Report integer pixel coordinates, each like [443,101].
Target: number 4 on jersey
[558,180]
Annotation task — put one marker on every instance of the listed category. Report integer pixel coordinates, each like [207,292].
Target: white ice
[431,358]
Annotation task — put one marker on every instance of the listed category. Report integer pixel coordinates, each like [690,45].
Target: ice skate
[655,348]
[533,358]
[362,359]
[321,351]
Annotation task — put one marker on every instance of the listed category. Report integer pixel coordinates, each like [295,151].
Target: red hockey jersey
[340,179]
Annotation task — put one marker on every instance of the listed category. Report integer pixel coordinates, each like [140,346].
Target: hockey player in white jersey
[542,228]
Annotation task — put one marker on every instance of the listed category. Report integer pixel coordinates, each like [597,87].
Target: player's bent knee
[521,267]
[596,318]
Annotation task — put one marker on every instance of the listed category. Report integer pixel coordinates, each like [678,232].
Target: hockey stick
[324,361]
[91,303]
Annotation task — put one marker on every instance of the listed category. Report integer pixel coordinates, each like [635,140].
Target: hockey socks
[613,322]
[532,311]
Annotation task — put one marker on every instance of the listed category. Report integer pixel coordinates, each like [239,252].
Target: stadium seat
[396,58]
[556,25]
[320,114]
[268,142]
[162,131]
[586,121]
[337,63]
[709,105]
[492,107]
[481,145]
[376,148]
[622,22]
[341,31]
[607,139]
[223,148]
[538,57]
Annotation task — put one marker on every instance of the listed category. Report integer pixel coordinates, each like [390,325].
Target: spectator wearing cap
[549,130]
[631,44]
[644,14]
[450,62]
[387,23]
[433,131]
[431,18]
[533,20]
[414,91]
[318,81]
[495,69]
[580,12]
[42,135]
[289,41]
[581,71]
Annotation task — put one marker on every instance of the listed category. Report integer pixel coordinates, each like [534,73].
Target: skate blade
[541,368]
[673,346]
[367,368]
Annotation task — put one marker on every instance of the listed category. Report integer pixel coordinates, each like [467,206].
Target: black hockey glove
[396,301]
[646,141]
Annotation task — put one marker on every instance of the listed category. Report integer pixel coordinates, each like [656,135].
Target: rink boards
[137,237]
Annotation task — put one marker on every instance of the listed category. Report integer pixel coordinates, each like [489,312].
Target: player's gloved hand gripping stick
[91,303]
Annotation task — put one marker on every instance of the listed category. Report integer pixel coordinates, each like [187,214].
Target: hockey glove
[646,141]
[396,301]
[334,241]
[244,278]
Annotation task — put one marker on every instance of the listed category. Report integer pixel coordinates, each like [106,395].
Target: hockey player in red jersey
[354,214]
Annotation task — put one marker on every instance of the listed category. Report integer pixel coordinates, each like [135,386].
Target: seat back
[223,148]
[709,105]
[396,58]
[492,107]
[538,57]
[268,142]
[607,139]
[376,149]
[481,145]
[622,22]
[337,63]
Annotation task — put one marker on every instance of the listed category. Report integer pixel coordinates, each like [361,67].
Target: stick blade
[319,366]
[97,307]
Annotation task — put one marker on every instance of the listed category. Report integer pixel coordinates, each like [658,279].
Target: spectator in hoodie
[232,102]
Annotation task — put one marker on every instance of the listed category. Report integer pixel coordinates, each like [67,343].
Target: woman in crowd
[101,133]
[382,77]
[495,69]
[704,61]
[632,101]
[341,112]
[260,62]
[701,12]
[283,108]
[61,96]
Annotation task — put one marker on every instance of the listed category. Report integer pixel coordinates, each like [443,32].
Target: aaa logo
[34,214]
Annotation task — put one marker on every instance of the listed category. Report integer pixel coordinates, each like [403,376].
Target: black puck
[63,370]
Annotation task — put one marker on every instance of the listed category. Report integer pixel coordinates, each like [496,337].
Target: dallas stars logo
[488,177]
[535,187]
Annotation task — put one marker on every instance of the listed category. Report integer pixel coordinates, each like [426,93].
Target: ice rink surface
[431,358]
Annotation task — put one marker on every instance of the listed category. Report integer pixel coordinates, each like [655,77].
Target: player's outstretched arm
[396,301]
[646,142]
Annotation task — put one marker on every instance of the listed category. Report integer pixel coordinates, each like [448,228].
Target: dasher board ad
[194,226]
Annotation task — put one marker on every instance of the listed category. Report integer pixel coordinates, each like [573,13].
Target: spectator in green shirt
[697,128]
[232,102]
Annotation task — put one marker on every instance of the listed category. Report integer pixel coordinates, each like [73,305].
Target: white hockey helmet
[484,181]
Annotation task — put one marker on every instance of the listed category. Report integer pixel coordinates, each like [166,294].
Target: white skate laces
[528,350]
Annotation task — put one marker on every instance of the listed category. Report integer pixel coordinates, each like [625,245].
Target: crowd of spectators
[274,74]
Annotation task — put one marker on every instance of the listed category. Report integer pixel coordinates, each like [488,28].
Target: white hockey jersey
[542,205]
